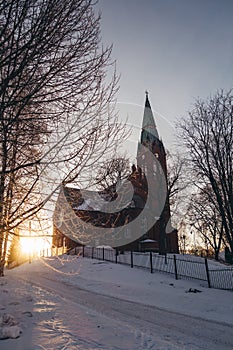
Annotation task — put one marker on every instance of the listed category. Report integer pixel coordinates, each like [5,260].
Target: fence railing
[215,276]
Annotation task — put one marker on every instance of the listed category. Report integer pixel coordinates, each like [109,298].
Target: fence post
[131,258]
[165,256]
[103,253]
[116,256]
[207,273]
[175,266]
[83,251]
[151,263]
[92,252]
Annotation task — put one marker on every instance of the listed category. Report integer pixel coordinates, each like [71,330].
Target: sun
[34,246]
[26,245]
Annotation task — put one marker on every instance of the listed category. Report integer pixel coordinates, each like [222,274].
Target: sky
[178,50]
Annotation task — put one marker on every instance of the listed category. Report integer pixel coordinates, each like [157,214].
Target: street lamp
[183,237]
[30,235]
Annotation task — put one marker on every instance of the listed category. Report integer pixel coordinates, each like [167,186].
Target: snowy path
[66,316]
[146,322]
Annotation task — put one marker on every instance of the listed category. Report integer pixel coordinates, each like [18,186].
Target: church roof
[148,124]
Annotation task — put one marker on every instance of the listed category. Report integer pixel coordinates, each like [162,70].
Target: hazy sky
[176,49]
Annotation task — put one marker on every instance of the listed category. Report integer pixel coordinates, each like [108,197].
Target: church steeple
[149,129]
[150,136]
[150,139]
[147,104]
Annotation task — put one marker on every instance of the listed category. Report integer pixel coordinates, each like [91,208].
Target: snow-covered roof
[148,241]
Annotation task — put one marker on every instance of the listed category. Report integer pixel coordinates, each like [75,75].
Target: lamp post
[30,235]
[183,237]
[194,240]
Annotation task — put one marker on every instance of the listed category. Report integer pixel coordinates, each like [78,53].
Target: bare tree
[178,183]
[177,179]
[208,135]
[56,119]
[203,216]
[112,171]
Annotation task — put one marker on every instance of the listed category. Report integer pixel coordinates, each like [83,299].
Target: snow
[8,327]
[148,241]
[71,302]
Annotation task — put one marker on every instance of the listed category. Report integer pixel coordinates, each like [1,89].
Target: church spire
[147,104]
[149,129]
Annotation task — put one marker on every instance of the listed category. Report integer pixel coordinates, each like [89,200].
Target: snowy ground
[79,303]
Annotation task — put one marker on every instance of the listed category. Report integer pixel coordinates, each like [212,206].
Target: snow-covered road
[68,315]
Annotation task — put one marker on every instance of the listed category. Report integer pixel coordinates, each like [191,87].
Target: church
[132,216]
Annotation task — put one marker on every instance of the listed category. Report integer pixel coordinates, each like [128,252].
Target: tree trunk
[2,263]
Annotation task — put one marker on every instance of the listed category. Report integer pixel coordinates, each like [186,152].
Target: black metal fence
[215,276]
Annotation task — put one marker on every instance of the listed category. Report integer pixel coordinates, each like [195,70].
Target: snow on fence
[215,274]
